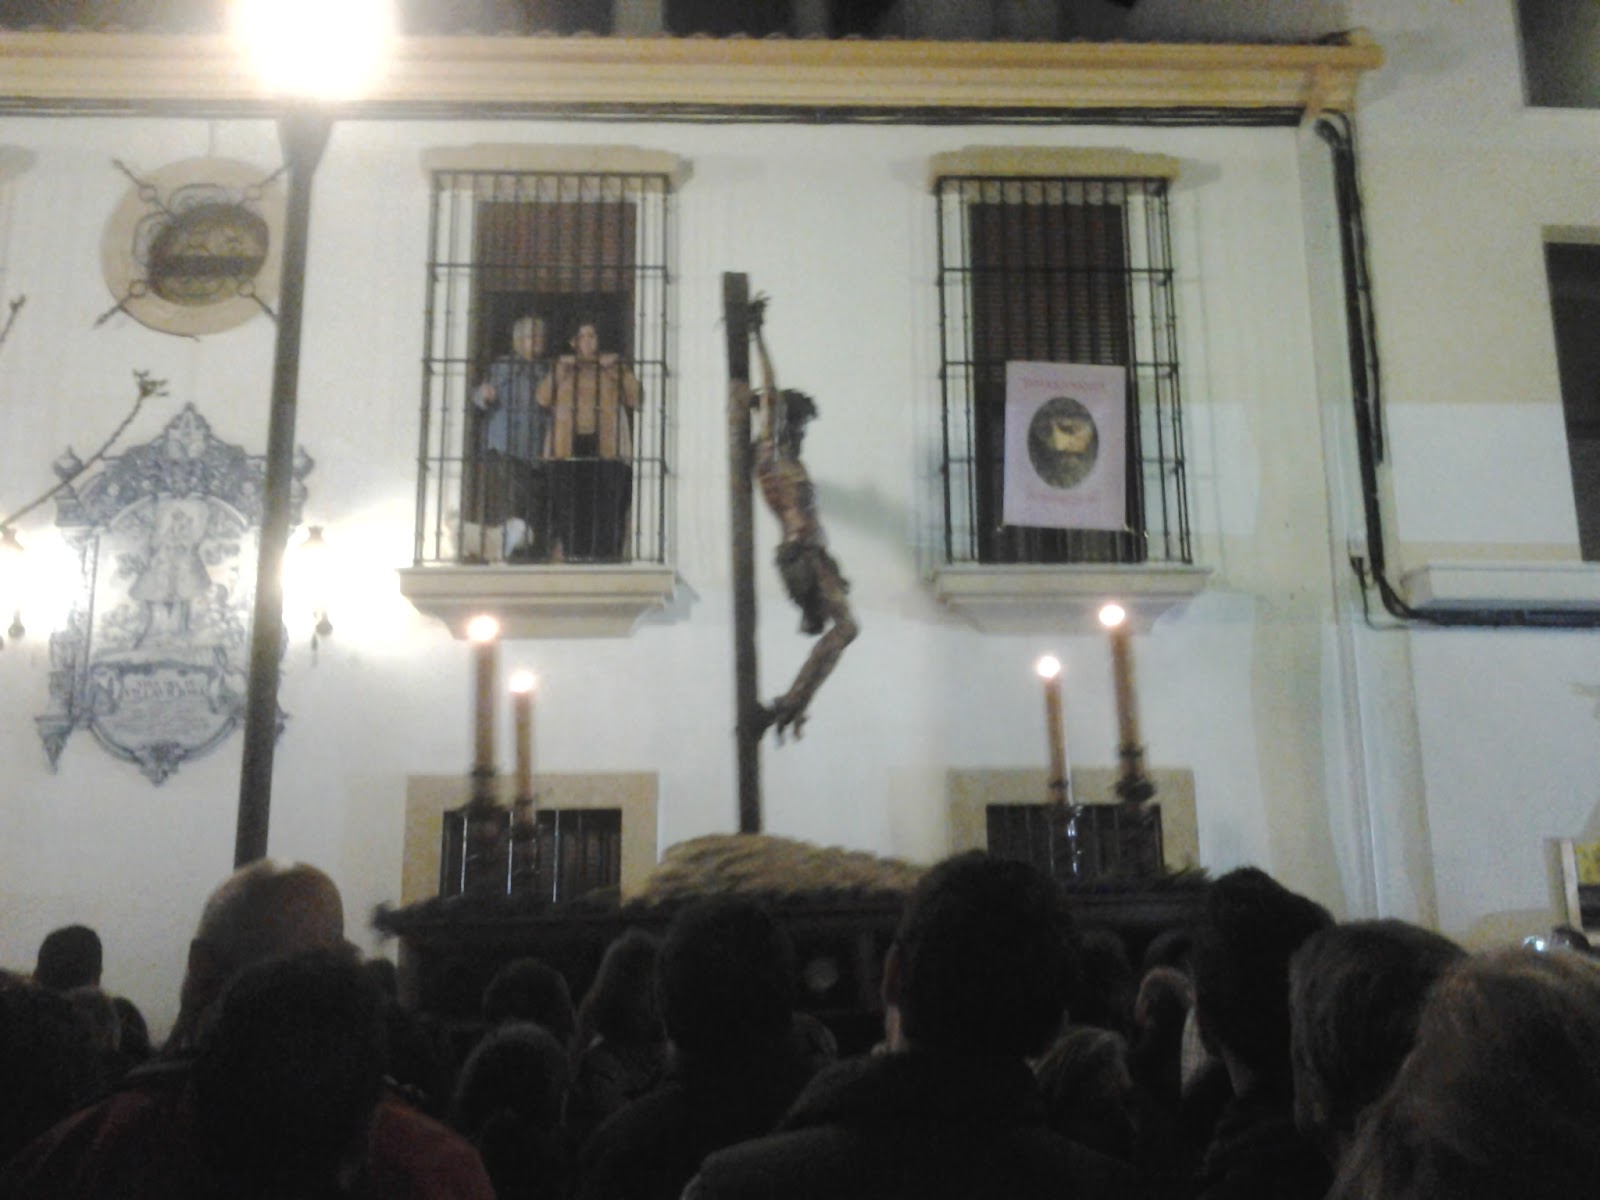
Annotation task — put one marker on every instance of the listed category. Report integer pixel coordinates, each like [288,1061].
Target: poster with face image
[1065,447]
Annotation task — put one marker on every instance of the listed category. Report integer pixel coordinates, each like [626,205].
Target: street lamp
[307,53]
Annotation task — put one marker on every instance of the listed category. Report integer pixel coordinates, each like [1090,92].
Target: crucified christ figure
[809,572]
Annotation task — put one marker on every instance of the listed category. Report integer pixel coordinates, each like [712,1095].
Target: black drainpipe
[1366,388]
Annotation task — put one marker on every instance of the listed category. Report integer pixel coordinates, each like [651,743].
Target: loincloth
[806,568]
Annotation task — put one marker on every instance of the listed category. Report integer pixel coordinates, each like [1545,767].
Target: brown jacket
[588,396]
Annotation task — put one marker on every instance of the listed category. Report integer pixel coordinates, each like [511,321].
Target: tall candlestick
[522,684]
[484,632]
[1049,668]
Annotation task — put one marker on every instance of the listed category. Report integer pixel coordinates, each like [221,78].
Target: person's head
[727,979]
[69,957]
[1252,927]
[1169,948]
[527,337]
[1162,1005]
[133,1032]
[1501,1094]
[586,340]
[1355,995]
[797,410]
[1105,989]
[530,989]
[1087,1089]
[622,1004]
[263,911]
[981,962]
[508,1103]
[519,1068]
[289,1073]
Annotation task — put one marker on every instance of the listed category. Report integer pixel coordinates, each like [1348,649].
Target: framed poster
[1065,446]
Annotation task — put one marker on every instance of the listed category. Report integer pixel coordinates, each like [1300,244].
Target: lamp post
[307,59]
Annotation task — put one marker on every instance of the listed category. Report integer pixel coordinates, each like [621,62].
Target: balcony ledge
[1533,587]
[1057,599]
[542,601]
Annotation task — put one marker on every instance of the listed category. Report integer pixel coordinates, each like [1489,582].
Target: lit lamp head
[483,628]
[315,49]
[1049,667]
[523,682]
[310,569]
[1113,615]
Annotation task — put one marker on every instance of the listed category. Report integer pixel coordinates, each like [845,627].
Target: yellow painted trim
[1409,554]
[436,76]
[1050,162]
[557,160]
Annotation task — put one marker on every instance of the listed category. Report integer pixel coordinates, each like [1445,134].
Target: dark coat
[140,1144]
[918,1126]
[651,1148]
[1257,1153]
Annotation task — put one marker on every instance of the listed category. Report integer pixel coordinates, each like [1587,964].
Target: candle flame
[1048,667]
[1113,615]
[483,628]
[523,682]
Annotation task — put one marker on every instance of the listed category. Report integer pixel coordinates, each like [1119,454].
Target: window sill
[1040,599]
[542,601]
[1545,587]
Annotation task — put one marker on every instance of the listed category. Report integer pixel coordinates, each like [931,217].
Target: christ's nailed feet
[781,716]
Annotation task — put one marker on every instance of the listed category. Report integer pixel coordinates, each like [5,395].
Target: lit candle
[1115,618]
[1049,668]
[1133,785]
[484,633]
[522,685]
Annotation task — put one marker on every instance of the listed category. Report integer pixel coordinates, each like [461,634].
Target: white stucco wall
[836,224]
[1461,183]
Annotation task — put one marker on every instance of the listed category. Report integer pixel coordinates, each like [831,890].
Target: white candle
[522,685]
[1115,618]
[484,632]
[1049,668]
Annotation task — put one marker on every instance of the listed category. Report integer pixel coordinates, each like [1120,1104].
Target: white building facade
[1382,765]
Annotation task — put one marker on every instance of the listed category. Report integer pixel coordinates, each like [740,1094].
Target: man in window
[590,398]
[506,489]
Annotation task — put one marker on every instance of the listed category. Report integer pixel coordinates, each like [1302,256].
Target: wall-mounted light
[13,571]
[310,565]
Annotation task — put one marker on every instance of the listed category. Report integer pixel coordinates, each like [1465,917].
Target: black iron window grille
[544,403]
[579,853]
[1069,270]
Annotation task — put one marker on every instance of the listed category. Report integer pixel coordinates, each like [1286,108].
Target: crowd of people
[1266,1052]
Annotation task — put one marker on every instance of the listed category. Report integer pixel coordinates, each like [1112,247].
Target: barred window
[1058,269]
[544,410]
